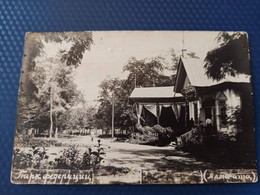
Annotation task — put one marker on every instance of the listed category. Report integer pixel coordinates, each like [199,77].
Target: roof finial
[183,40]
[183,51]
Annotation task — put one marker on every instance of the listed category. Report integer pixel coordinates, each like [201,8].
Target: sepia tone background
[19,17]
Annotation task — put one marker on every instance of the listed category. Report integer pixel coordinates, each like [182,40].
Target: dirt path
[128,163]
[137,157]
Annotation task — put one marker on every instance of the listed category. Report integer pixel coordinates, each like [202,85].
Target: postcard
[135,107]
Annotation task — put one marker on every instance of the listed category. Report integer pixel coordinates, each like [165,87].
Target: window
[222,112]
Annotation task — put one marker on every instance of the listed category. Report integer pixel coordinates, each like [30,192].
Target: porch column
[158,113]
[139,108]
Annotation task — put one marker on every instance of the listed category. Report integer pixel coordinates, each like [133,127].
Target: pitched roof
[198,78]
[154,92]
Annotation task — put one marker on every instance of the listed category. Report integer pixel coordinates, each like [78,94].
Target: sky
[112,49]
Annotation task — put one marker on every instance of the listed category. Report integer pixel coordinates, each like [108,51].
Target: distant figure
[191,122]
[92,133]
[208,126]
[208,122]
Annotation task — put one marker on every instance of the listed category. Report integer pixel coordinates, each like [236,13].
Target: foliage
[234,121]
[147,72]
[77,118]
[192,55]
[115,90]
[47,84]
[97,155]
[155,135]
[36,158]
[235,118]
[72,158]
[175,58]
[111,170]
[230,151]
[21,160]
[164,135]
[29,141]
[231,57]
[79,43]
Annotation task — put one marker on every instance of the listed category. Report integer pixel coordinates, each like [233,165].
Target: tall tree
[78,42]
[142,73]
[147,73]
[231,57]
[49,77]
[110,90]
[78,117]
[48,81]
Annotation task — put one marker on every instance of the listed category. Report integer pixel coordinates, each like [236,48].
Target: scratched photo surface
[135,107]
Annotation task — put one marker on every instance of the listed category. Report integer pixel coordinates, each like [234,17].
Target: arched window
[222,106]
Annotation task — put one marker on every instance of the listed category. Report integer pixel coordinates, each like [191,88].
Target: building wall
[233,101]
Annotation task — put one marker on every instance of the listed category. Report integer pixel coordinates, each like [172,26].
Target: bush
[71,158]
[156,135]
[30,141]
[223,151]
[36,158]
[164,135]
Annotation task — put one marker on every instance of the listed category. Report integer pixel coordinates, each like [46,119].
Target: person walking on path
[92,134]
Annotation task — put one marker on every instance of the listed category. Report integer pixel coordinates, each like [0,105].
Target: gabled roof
[154,92]
[195,71]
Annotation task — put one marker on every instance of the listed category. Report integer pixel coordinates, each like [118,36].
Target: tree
[175,60]
[147,73]
[192,55]
[49,81]
[79,42]
[78,117]
[231,57]
[109,88]
[52,79]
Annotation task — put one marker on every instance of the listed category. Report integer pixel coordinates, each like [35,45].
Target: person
[208,126]
[92,133]
[208,122]
[192,122]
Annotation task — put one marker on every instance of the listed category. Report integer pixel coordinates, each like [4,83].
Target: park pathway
[134,156]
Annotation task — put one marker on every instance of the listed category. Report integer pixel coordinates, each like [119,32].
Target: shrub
[70,158]
[30,141]
[73,158]
[164,134]
[36,158]
[21,160]
[156,135]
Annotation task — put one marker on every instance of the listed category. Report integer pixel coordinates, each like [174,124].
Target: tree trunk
[56,127]
[56,132]
[51,121]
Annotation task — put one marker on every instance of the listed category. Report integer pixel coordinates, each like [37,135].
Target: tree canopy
[145,73]
[48,82]
[231,57]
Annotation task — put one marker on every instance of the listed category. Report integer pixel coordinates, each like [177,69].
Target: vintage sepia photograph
[135,107]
